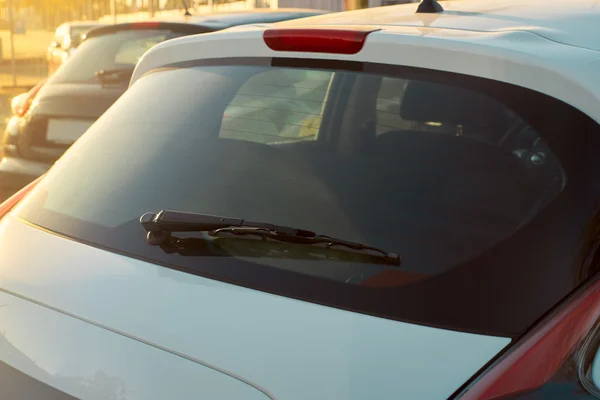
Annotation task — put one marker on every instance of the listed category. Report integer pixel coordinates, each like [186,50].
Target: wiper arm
[160,226]
[120,74]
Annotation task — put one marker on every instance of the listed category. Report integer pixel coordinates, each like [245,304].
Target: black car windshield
[436,167]
[114,51]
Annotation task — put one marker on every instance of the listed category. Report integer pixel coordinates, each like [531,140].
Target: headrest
[434,102]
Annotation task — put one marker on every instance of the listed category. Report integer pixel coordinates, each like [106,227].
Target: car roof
[82,23]
[208,22]
[222,20]
[233,18]
[571,22]
[548,51]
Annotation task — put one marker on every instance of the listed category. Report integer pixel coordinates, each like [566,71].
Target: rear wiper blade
[160,226]
[119,74]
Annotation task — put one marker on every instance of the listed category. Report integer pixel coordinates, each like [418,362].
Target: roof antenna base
[430,7]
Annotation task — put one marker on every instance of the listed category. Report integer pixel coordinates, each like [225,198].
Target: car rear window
[109,52]
[458,175]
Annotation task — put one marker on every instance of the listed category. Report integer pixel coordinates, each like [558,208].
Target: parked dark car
[67,38]
[81,90]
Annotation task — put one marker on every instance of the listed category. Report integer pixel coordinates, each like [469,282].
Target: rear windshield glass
[442,174]
[109,52]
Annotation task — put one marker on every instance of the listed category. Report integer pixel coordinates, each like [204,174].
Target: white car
[393,203]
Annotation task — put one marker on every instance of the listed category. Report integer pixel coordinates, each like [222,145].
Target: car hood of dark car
[86,101]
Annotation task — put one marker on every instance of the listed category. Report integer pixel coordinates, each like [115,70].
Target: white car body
[99,325]
[551,51]
[207,338]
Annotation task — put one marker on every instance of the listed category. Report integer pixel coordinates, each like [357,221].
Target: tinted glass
[439,173]
[120,50]
[277,106]
[80,30]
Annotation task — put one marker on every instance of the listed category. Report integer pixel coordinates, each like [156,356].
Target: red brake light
[535,360]
[146,25]
[22,108]
[16,198]
[337,41]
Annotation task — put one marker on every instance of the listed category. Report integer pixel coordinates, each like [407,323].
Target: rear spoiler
[178,27]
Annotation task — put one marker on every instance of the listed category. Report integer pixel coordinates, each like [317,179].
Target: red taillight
[146,25]
[22,108]
[539,356]
[337,41]
[16,198]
